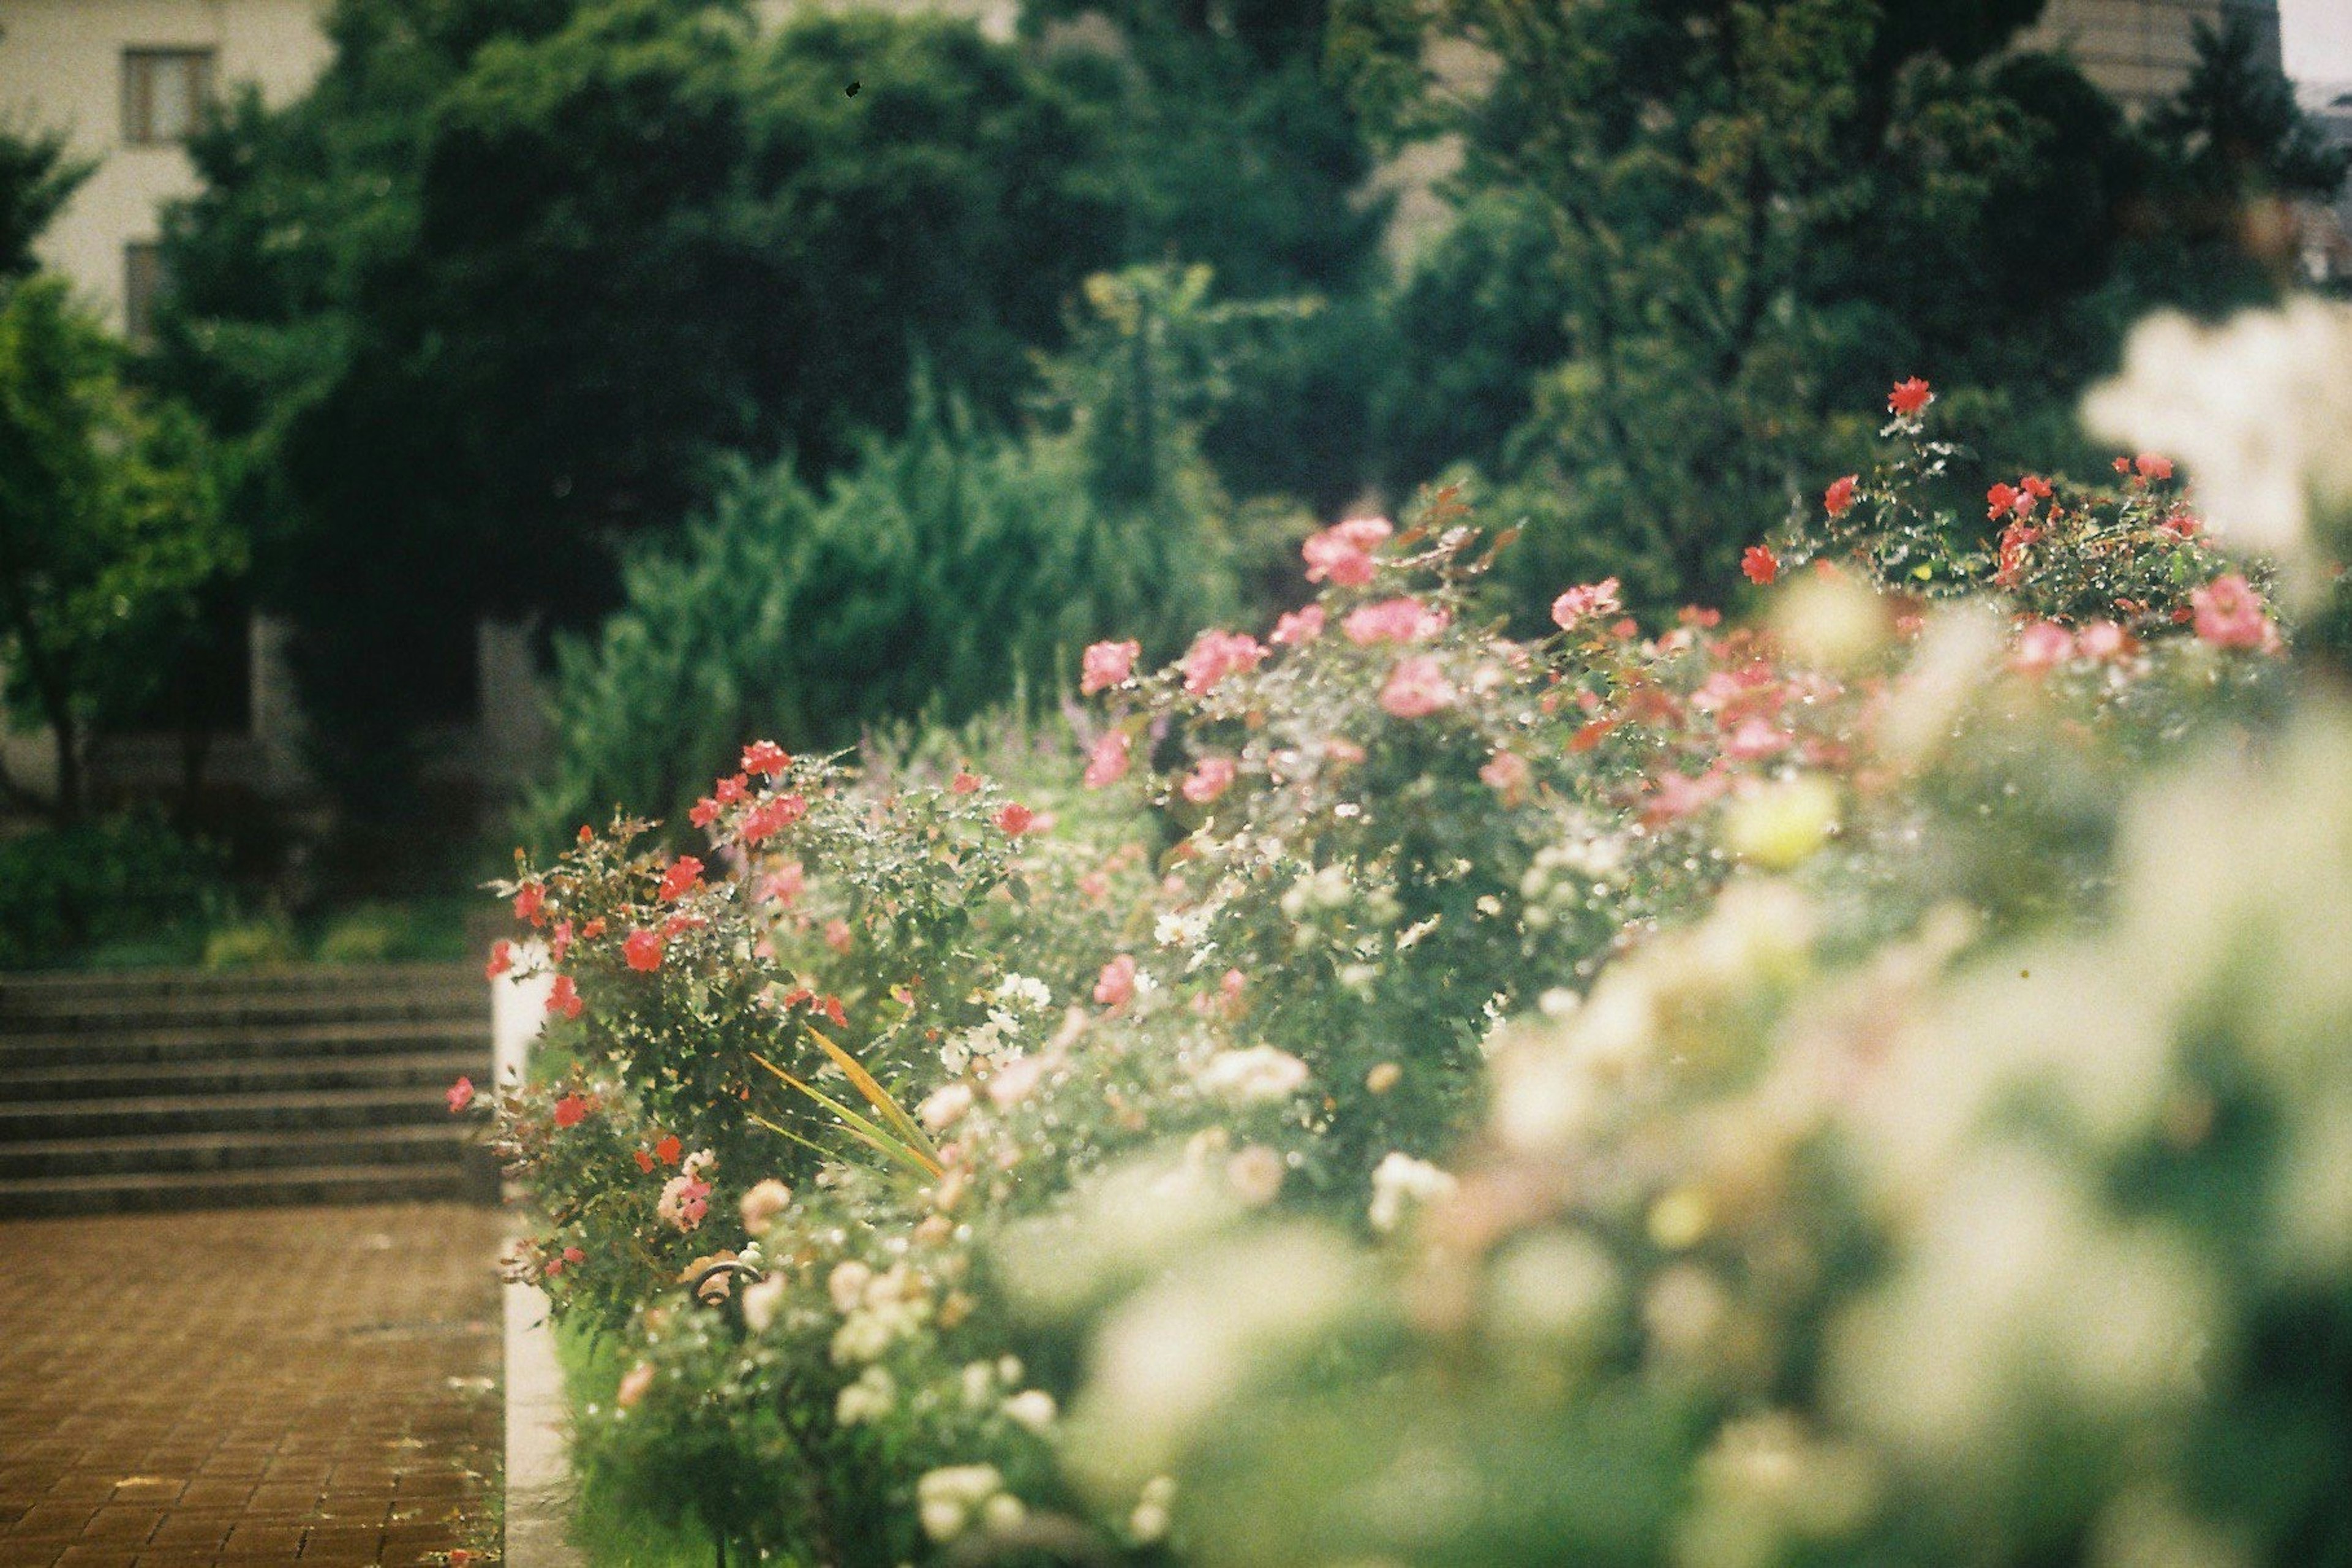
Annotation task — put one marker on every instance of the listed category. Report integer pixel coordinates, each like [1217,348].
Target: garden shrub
[950,572]
[116,879]
[1855,1085]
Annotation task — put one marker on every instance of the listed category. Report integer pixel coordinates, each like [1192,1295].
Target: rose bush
[1391,1091]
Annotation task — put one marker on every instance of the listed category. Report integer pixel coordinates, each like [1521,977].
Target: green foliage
[114,882]
[262,942]
[484,299]
[112,528]
[1232,149]
[949,571]
[36,180]
[1710,215]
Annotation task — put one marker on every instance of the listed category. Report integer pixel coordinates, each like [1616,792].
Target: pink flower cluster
[1106,665]
[1210,778]
[1343,554]
[1107,762]
[1115,986]
[1585,601]
[1417,688]
[2229,614]
[1216,654]
[1296,627]
[1401,620]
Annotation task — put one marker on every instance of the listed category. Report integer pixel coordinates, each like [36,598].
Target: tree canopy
[112,526]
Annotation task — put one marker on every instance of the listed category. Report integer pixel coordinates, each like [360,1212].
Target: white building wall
[62,69]
[2141,50]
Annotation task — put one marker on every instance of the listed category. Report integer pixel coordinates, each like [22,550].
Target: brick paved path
[248,1387]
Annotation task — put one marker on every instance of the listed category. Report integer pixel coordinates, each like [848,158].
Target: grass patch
[610,1533]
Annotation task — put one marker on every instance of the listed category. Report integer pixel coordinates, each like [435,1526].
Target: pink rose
[1106,665]
[1394,620]
[1343,554]
[1210,778]
[2229,614]
[2103,639]
[1217,654]
[1416,689]
[1585,600]
[1107,762]
[1506,774]
[1299,627]
[2042,648]
[1115,986]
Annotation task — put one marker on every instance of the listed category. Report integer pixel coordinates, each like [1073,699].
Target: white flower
[763,1203]
[947,1497]
[1149,1523]
[1400,1179]
[846,1284]
[871,1397]
[1033,1408]
[1181,930]
[2256,408]
[1259,1073]
[1024,991]
[761,1301]
[945,1106]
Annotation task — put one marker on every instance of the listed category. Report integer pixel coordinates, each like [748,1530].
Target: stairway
[191,1090]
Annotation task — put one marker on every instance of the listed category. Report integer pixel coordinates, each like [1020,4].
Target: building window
[142,287]
[164,92]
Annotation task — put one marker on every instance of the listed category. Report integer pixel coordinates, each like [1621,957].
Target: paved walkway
[258,1386]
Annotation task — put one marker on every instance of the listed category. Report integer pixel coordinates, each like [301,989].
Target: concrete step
[466,1002]
[295,1111]
[450,1142]
[237,1189]
[187,1088]
[86,1080]
[294,978]
[238,1042]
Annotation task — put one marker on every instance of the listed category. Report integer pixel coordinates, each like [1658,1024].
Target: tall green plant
[112,526]
[950,571]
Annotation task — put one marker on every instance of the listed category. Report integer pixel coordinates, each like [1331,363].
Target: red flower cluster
[680,880]
[564,1000]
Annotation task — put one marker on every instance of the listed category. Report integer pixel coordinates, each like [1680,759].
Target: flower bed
[1865,1084]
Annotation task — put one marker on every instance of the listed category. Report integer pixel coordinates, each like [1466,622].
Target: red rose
[642,949]
[1839,497]
[564,1000]
[1015,819]
[1910,397]
[680,878]
[571,1110]
[1760,564]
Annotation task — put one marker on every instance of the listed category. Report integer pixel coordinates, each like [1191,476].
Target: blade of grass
[880,1098]
[857,1126]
